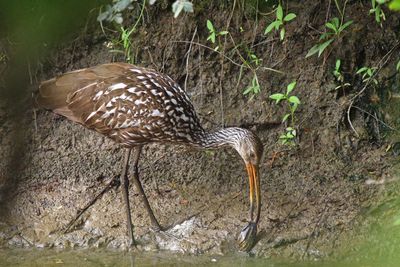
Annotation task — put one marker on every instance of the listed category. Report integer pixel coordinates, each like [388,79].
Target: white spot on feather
[108,113]
[117,86]
[97,96]
[91,115]
[156,113]
[184,117]
[138,102]
[136,70]
[132,90]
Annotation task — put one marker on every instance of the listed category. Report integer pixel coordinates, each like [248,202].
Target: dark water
[86,258]
[117,258]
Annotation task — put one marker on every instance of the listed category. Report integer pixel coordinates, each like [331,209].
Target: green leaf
[285,117]
[278,24]
[335,21]
[279,13]
[331,26]
[313,50]
[248,90]
[294,99]
[361,70]
[344,26]
[398,66]
[223,33]
[210,26]
[325,35]
[289,135]
[270,27]
[283,136]
[278,97]
[323,46]
[211,37]
[282,34]
[337,65]
[290,87]
[289,17]
[378,14]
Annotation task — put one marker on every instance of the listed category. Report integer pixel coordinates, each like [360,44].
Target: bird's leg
[139,187]
[125,187]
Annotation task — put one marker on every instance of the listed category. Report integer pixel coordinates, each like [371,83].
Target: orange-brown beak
[255,191]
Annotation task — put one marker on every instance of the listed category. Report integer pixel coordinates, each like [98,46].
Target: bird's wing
[71,94]
[122,101]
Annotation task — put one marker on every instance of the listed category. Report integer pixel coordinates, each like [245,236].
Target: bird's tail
[48,97]
[53,95]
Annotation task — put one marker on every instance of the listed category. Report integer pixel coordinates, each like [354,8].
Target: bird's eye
[252,155]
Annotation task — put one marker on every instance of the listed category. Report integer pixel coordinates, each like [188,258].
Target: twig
[381,63]
[210,48]
[110,185]
[376,118]
[187,59]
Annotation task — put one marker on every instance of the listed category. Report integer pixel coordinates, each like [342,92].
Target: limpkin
[135,106]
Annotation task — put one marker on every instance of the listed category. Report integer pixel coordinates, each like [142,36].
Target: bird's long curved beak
[255,191]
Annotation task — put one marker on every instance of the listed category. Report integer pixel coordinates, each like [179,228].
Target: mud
[311,193]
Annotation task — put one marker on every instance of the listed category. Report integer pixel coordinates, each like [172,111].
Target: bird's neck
[220,138]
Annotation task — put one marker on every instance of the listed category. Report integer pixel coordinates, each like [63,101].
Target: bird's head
[250,148]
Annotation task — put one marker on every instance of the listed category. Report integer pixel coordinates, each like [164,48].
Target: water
[87,258]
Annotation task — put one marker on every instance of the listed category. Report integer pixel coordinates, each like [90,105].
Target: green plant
[127,44]
[377,10]
[279,22]
[334,29]
[398,66]
[337,73]
[288,137]
[292,101]
[367,74]
[254,88]
[123,45]
[213,34]
[252,58]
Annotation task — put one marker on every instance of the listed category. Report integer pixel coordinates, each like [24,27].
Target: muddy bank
[312,193]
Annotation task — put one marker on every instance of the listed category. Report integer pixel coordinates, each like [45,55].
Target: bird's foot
[247,237]
[157,228]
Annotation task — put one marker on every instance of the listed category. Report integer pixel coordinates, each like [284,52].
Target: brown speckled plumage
[129,104]
[135,106]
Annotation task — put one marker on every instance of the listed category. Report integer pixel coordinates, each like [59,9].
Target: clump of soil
[311,193]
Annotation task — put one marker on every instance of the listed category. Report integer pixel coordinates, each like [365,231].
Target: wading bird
[136,106]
